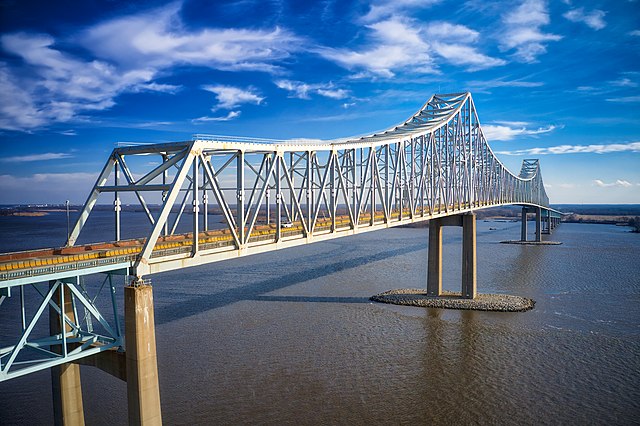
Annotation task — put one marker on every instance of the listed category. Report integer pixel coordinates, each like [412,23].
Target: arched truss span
[271,194]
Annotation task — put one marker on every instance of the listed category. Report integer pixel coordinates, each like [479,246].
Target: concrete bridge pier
[143,390]
[434,271]
[65,378]
[523,229]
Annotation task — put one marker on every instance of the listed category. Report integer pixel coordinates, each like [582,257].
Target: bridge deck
[176,251]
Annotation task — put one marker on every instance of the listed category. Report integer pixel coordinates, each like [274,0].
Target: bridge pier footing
[65,378]
[434,267]
[143,390]
[523,229]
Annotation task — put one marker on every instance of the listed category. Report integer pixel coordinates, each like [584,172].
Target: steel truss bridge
[270,194]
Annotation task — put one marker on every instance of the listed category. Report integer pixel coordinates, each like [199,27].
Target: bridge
[264,195]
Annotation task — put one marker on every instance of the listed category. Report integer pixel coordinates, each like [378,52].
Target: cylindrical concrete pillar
[469,256]
[523,229]
[434,264]
[143,391]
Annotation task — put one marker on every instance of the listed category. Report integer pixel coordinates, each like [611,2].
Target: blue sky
[556,80]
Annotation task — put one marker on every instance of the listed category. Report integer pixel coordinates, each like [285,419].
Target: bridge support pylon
[143,390]
[523,229]
[434,267]
[65,378]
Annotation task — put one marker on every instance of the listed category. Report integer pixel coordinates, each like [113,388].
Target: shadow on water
[311,299]
[254,291]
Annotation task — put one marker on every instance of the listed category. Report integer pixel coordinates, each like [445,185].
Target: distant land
[616,214]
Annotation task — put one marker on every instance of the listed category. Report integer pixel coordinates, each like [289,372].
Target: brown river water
[290,337]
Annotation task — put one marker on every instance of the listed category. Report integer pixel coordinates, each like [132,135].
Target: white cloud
[230,97]
[625,99]
[157,87]
[507,132]
[159,39]
[458,54]
[618,182]
[593,19]
[635,33]
[50,85]
[624,82]
[486,86]
[452,42]
[230,116]
[523,32]
[452,32]
[513,123]
[36,157]
[577,149]
[301,90]
[334,93]
[69,132]
[395,46]
[400,43]
[382,9]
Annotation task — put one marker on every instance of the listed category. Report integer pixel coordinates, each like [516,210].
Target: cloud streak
[523,30]
[301,90]
[230,116]
[577,149]
[402,44]
[36,157]
[230,97]
[505,131]
[593,19]
[49,85]
[619,183]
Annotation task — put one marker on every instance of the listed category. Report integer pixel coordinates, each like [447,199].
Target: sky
[557,80]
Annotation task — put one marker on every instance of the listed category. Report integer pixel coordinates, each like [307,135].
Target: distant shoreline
[28,214]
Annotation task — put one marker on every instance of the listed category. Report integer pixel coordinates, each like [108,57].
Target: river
[290,337]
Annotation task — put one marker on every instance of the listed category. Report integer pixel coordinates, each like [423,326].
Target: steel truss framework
[436,163]
[270,194]
[76,327]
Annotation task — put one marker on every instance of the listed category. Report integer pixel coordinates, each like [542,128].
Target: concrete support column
[523,229]
[65,378]
[434,265]
[538,224]
[469,256]
[143,391]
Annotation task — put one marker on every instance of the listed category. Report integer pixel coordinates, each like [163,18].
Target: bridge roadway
[435,166]
[175,251]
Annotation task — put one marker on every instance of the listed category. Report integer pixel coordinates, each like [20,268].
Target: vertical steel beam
[332,189]
[309,188]
[165,174]
[278,196]
[196,213]
[116,201]
[240,219]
